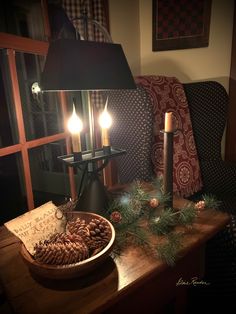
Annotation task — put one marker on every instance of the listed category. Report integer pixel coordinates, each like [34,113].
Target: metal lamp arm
[87,20]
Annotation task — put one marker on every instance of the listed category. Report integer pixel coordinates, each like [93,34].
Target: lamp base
[94,197]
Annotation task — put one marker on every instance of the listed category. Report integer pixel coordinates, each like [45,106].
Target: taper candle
[169,123]
[76,143]
[105,137]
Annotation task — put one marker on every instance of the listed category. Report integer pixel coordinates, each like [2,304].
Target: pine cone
[77,226]
[61,249]
[99,234]
[200,205]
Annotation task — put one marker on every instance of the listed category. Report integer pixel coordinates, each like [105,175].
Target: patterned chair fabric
[133,131]
[208,103]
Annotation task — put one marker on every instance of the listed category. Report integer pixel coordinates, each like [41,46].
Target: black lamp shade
[85,65]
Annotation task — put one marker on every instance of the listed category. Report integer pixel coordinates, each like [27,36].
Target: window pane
[42,111]
[22,18]
[12,196]
[49,175]
[8,126]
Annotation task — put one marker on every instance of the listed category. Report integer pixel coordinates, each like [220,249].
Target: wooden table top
[99,289]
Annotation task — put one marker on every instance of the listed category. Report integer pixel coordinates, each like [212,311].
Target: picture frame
[180,24]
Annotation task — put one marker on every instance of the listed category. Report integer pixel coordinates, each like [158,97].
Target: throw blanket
[167,94]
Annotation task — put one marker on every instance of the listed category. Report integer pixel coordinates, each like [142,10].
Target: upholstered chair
[208,103]
[133,131]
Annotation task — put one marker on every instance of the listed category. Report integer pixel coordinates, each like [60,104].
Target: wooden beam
[10,150]
[45,140]
[23,44]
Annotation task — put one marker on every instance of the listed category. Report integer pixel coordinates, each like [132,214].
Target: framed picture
[180,24]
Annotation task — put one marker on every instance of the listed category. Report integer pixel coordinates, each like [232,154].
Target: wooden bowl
[70,270]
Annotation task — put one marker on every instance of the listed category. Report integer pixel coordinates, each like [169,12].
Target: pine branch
[164,223]
[137,192]
[169,250]
[126,214]
[120,243]
[187,215]
[164,198]
[139,237]
[157,183]
[211,201]
[125,208]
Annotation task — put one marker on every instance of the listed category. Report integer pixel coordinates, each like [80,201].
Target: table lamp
[81,65]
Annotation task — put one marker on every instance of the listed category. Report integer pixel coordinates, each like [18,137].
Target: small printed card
[37,225]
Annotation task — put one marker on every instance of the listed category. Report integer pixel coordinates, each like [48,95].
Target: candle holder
[77,156]
[106,149]
[94,197]
[168,167]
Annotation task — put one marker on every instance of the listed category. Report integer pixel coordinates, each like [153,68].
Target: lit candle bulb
[105,121]
[169,122]
[75,126]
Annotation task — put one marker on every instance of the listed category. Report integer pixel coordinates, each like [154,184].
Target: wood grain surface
[134,281]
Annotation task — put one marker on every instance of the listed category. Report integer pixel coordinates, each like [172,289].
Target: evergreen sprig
[133,206]
[137,192]
[187,215]
[138,236]
[157,184]
[211,201]
[168,251]
[164,223]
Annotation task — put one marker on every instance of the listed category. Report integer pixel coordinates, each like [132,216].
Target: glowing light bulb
[105,122]
[75,126]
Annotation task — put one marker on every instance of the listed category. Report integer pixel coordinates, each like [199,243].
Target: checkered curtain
[96,10]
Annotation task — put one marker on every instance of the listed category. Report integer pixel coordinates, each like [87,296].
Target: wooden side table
[134,281]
